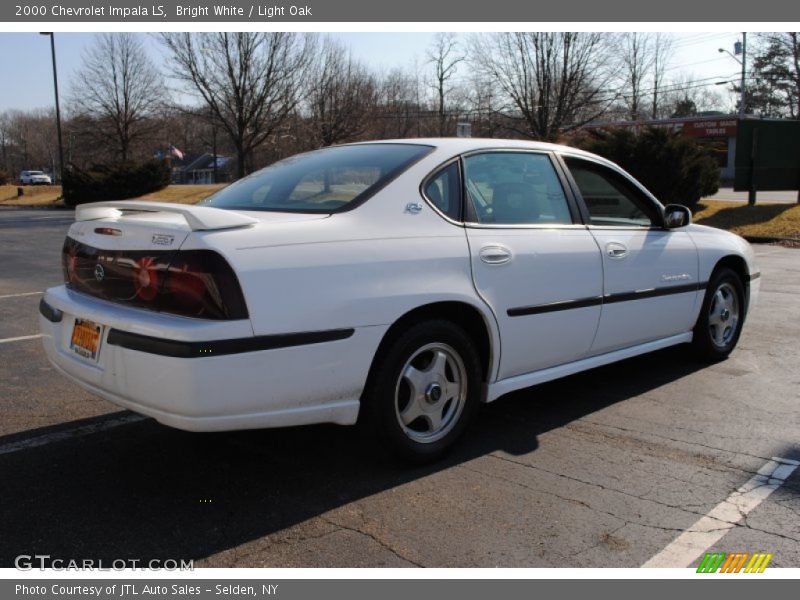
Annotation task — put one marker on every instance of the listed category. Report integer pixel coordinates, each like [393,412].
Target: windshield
[323,181]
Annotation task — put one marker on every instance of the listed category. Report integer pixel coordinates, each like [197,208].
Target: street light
[751,195]
[729,53]
[743,48]
[58,110]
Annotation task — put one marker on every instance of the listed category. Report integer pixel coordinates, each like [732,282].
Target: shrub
[114,182]
[3,177]
[674,167]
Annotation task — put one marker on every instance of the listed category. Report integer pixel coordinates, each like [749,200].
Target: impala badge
[163,239]
[99,272]
[414,208]
[681,277]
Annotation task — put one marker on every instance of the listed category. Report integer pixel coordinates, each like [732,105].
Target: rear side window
[515,188]
[323,181]
[444,191]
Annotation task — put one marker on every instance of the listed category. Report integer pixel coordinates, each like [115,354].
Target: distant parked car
[399,284]
[35,178]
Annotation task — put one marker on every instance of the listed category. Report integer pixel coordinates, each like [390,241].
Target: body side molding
[608,299]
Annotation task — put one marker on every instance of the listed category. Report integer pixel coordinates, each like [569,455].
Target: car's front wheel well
[738,265]
[464,315]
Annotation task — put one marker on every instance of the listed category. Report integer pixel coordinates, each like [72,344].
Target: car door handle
[495,255]
[616,250]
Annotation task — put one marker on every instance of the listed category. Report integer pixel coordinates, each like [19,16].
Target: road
[606,468]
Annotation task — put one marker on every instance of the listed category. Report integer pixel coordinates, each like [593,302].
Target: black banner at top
[469,11]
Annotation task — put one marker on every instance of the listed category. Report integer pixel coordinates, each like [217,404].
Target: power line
[701,62]
[681,43]
[618,93]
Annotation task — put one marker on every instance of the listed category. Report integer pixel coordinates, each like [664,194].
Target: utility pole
[742,48]
[751,194]
[58,110]
[744,71]
[214,149]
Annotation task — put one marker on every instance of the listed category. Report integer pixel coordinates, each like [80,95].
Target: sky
[26,69]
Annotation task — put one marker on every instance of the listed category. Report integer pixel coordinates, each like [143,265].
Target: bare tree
[552,81]
[636,59]
[686,95]
[252,82]
[5,140]
[482,106]
[643,59]
[444,56]
[662,50]
[400,105]
[343,96]
[28,140]
[119,89]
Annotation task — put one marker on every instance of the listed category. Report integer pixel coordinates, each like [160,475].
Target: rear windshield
[323,181]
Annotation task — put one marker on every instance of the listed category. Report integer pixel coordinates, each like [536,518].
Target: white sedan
[34,178]
[398,284]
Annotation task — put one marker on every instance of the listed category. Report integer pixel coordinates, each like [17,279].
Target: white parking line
[706,532]
[3,297]
[21,338]
[66,434]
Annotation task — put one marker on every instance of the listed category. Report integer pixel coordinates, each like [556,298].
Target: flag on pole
[176,153]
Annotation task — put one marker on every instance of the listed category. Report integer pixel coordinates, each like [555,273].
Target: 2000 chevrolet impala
[395,283]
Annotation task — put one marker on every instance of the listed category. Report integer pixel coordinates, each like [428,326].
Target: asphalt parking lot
[603,469]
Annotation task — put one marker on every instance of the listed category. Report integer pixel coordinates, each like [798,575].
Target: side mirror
[676,215]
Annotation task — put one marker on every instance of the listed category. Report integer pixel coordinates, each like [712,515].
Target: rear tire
[721,317]
[423,391]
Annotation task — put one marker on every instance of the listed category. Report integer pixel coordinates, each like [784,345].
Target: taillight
[70,264]
[145,278]
[188,284]
[193,283]
[202,282]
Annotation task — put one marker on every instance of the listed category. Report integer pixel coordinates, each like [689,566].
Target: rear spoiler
[199,218]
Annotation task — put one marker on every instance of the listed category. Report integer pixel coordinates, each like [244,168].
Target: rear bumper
[210,376]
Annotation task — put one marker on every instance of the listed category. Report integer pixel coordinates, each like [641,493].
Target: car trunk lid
[130,253]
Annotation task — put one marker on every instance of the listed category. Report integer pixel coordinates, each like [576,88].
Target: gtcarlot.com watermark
[42,562]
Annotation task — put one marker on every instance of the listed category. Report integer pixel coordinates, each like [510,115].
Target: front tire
[721,317]
[423,391]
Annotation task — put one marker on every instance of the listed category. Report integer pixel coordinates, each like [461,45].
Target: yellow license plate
[86,337]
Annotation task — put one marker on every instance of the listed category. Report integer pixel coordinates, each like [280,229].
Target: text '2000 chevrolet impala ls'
[398,284]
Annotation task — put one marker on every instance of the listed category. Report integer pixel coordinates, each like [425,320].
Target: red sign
[711,128]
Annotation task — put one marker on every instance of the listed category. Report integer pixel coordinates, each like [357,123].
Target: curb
[758,239]
[36,207]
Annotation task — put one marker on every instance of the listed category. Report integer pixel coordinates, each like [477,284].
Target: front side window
[323,181]
[514,188]
[611,200]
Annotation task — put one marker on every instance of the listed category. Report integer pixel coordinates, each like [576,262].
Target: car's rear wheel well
[465,316]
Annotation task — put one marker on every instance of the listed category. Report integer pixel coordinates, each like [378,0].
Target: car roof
[462,145]
[451,147]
